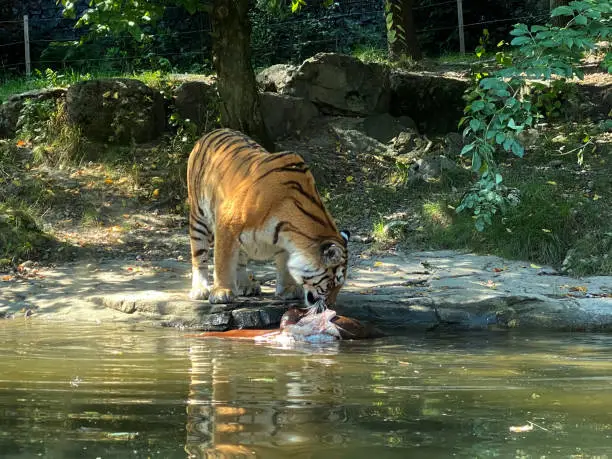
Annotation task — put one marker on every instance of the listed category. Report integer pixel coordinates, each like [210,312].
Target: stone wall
[46,23]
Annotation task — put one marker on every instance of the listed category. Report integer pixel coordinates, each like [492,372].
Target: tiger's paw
[290,292]
[253,288]
[248,285]
[200,293]
[220,295]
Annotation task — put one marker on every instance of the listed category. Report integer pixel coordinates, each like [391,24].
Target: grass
[52,79]
[555,217]
[20,235]
[564,213]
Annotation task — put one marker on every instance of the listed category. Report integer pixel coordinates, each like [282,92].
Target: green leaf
[499,138]
[480,225]
[518,149]
[476,124]
[518,41]
[478,105]
[538,28]
[580,19]
[389,20]
[498,178]
[476,162]
[466,149]
[519,29]
[562,11]
[508,143]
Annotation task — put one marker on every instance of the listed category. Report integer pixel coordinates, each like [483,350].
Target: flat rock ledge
[424,290]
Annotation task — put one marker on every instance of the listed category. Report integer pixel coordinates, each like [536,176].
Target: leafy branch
[499,107]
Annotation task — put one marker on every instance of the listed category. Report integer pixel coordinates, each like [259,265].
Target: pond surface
[119,392]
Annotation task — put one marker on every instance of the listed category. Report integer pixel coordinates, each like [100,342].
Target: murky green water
[114,392]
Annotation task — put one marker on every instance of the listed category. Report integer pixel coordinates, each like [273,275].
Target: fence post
[460,19]
[26,40]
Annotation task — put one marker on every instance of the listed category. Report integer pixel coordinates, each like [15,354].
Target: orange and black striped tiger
[252,204]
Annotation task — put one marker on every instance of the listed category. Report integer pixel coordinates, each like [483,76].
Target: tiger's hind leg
[201,238]
[227,251]
[286,287]
[247,284]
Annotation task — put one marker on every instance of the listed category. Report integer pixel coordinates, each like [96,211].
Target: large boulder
[198,102]
[284,115]
[276,77]
[116,110]
[10,110]
[341,85]
[385,127]
[434,101]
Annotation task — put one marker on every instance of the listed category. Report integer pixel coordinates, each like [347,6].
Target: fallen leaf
[525,428]
[497,270]
[6,278]
[551,182]
[378,264]
[155,193]
[579,288]
[108,181]
[596,197]
[534,266]
[546,230]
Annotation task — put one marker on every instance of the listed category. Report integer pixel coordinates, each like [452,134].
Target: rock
[409,142]
[349,132]
[198,102]
[453,144]
[384,127]
[434,102]
[284,115]
[275,78]
[265,317]
[10,110]
[529,137]
[431,168]
[116,110]
[341,85]
[395,228]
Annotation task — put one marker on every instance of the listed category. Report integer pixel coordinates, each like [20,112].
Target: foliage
[20,236]
[498,107]
[43,124]
[280,39]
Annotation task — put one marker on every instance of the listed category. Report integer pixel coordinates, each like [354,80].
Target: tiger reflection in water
[272,411]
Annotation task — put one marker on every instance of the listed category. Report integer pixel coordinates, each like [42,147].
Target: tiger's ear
[331,254]
[346,235]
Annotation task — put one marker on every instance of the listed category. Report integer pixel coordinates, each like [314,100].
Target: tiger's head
[322,272]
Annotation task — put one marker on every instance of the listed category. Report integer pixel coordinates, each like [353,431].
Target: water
[123,392]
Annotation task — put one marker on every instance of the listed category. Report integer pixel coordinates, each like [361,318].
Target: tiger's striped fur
[252,204]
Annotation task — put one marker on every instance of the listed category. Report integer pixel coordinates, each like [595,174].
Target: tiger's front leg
[201,239]
[286,287]
[247,284]
[227,250]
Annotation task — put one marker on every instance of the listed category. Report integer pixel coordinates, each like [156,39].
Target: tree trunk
[559,21]
[402,38]
[231,31]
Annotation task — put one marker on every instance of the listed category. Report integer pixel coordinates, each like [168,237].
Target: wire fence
[287,44]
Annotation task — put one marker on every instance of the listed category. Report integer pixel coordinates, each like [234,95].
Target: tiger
[250,204]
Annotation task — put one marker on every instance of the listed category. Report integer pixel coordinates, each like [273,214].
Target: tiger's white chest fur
[259,244]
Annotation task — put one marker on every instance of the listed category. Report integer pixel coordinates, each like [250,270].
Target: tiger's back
[254,204]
